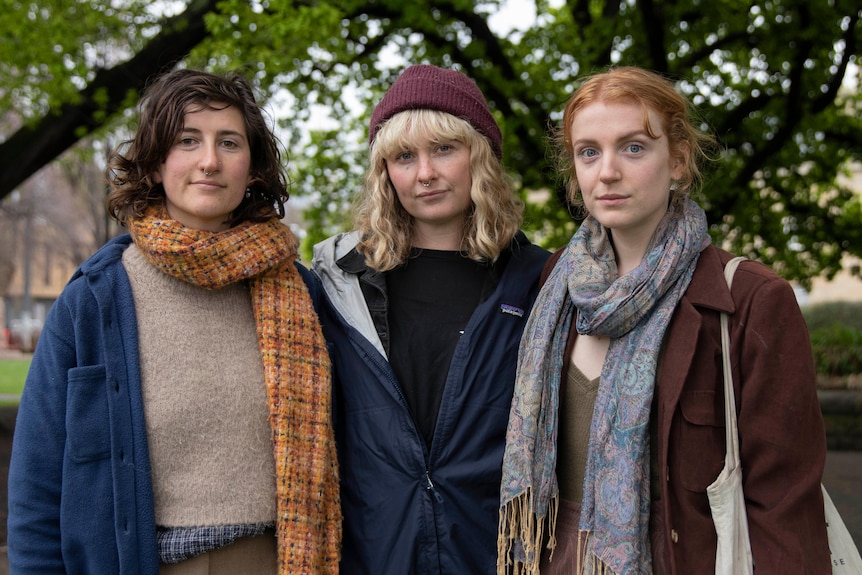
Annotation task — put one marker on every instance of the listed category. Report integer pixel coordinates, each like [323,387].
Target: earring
[674,186]
[248,193]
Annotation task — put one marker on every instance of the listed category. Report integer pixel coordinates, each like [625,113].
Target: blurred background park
[777,81]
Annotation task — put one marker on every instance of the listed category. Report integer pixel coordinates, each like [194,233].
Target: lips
[208,183]
[430,194]
[611,199]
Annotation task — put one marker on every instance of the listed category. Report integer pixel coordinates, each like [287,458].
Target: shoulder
[106,256]
[106,261]
[333,248]
[752,279]
[713,260]
[97,293]
[523,249]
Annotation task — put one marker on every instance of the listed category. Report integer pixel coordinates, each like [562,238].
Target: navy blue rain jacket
[407,510]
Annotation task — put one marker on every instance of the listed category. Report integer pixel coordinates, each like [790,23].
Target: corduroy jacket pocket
[700,437]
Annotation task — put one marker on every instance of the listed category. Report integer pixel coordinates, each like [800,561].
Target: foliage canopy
[766,76]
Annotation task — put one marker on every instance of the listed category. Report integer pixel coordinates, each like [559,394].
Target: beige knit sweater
[204,400]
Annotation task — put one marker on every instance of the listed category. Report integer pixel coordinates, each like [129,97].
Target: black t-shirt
[431,299]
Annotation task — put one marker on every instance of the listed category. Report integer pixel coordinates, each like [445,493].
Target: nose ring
[426,184]
[208,173]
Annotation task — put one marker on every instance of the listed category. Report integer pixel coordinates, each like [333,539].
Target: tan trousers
[246,556]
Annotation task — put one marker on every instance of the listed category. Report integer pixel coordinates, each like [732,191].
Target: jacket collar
[107,255]
[708,288]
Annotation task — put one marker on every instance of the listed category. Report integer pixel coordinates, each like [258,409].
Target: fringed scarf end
[587,561]
[521,532]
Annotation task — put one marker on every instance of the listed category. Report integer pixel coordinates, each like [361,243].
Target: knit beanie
[428,87]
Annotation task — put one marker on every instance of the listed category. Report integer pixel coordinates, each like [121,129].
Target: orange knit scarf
[296,369]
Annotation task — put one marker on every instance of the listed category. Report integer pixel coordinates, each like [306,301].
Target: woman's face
[623,173]
[207,169]
[433,183]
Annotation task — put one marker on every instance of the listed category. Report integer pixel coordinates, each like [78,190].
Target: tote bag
[845,555]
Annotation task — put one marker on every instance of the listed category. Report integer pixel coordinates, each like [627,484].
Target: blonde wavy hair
[690,146]
[386,228]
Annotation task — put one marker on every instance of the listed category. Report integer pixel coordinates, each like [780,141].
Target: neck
[437,239]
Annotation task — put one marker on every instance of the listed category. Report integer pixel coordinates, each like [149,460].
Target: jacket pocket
[88,433]
[700,440]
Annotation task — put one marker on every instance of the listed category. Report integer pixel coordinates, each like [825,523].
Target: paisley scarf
[296,368]
[634,310]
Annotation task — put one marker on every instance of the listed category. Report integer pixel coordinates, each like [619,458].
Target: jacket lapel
[706,290]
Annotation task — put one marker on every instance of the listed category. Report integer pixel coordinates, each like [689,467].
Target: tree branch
[35,145]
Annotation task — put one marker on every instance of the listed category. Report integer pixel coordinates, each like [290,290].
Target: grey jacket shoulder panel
[342,288]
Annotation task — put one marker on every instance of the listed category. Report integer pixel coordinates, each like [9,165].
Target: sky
[514,14]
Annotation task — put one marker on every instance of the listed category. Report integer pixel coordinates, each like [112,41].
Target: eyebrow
[218,133]
[627,136]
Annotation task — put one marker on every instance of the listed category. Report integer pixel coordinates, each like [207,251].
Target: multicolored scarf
[296,369]
[634,310]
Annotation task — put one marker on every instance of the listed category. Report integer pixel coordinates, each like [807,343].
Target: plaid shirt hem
[180,543]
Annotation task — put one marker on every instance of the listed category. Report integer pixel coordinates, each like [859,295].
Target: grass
[12,375]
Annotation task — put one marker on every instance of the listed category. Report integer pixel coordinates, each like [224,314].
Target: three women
[181,385]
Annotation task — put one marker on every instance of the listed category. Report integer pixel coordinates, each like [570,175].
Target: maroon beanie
[428,87]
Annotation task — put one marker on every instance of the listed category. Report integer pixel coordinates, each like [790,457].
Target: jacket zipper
[430,487]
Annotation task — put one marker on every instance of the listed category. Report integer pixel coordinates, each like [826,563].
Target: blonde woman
[429,296]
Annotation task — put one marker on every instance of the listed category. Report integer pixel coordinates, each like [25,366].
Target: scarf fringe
[520,535]
[594,565]
[521,532]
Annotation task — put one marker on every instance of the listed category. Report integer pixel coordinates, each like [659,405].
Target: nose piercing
[208,174]
[426,184]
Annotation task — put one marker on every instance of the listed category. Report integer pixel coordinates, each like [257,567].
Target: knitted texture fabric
[296,365]
[196,346]
[426,87]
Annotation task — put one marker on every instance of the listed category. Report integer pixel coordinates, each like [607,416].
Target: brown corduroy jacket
[782,438]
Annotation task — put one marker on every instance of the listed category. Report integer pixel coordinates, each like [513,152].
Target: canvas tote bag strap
[731,429]
[726,499]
